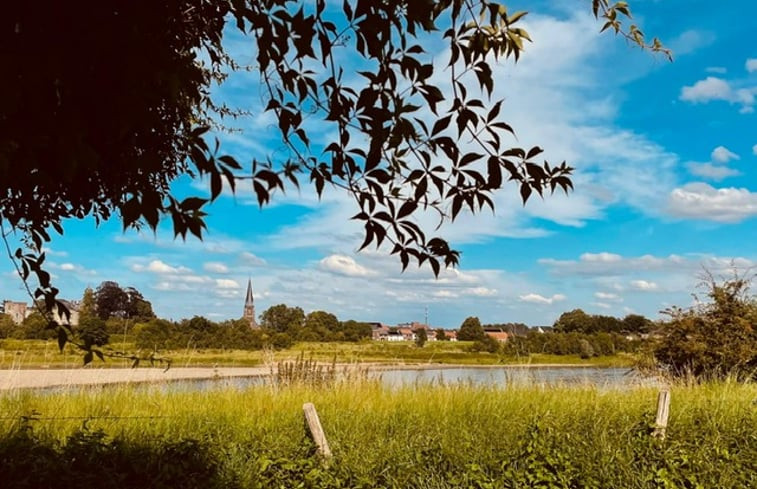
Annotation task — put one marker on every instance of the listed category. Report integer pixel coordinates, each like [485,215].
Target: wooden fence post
[663,410]
[313,424]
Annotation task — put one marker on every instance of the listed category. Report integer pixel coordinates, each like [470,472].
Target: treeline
[574,333]
[280,327]
[582,344]
[577,321]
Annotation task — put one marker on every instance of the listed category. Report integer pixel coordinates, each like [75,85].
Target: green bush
[486,344]
[92,331]
[714,339]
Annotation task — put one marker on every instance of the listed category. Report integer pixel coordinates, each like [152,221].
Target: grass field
[45,354]
[413,437]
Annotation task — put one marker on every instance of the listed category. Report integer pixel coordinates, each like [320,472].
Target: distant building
[497,333]
[16,310]
[249,307]
[379,332]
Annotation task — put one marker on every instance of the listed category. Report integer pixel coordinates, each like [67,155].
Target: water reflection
[480,376]
[601,377]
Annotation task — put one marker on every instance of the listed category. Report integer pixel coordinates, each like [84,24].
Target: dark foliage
[106,104]
[584,345]
[486,344]
[714,339]
[92,331]
[577,321]
[471,330]
[114,302]
[88,459]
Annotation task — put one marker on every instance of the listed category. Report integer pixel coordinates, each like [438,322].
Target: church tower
[249,306]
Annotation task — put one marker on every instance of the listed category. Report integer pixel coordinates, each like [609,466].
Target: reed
[417,436]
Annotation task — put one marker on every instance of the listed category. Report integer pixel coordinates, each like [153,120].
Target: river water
[395,377]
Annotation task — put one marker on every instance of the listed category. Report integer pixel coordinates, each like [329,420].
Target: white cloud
[609,264]
[540,299]
[445,294]
[52,252]
[754,150]
[751,64]
[71,267]
[607,296]
[713,88]
[250,259]
[603,257]
[159,267]
[721,154]
[643,285]
[481,292]
[702,201]
[225,283]
[602,305]
[215,267]
[344,265]
[710,171]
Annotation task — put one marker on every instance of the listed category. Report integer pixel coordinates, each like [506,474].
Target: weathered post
[313,424]
[663,410]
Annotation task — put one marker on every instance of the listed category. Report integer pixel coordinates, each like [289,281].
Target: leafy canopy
[714,339]
[105,105]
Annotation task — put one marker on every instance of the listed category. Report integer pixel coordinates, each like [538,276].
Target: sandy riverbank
[39,378]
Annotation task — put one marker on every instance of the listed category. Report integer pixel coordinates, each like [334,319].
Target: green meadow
[411,437]
[45,354]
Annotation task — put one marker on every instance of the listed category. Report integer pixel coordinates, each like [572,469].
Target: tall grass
[45,354]
[423,436]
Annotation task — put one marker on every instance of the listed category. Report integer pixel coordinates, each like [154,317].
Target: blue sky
[665,157]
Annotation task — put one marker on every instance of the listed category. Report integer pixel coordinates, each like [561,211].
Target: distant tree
[157,334]
[573,321]
[713,339]
[486,344]
[319,326]
[636,324]
[471,330]
[585,349]
[283,319]
[281,341]
[114,302]
[111,300]
[88,305]
[92,331]
[35,326]
[136,306]
[7,326]
[355,330]
[441,335]
[421,337]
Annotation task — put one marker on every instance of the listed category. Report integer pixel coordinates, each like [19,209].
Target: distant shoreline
[38,378]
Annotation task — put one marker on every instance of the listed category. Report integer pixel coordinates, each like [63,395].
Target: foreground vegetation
[429,437]
[45,354]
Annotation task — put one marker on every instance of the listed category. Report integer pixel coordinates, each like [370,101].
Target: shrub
[92,331]
[487,344]
[713,339]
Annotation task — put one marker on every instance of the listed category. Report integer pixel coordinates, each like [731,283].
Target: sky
[665,157]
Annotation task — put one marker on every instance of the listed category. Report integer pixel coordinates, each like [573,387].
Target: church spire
[249,306]
[249,301]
